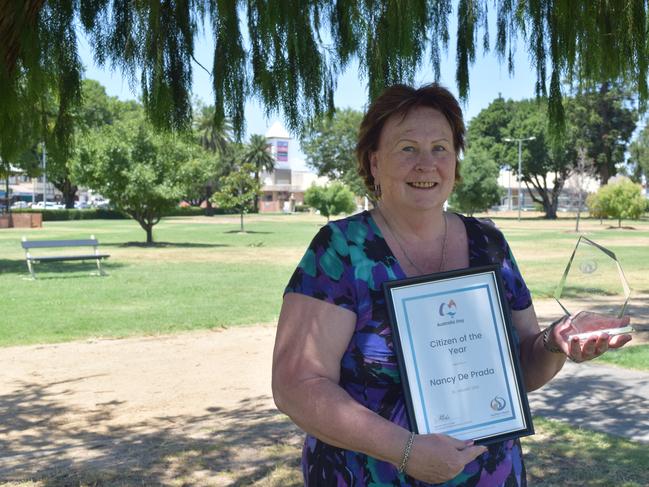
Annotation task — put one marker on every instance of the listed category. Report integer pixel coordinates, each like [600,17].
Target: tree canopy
[598,120]
[288,54]
[329,145]
[639,156]
[239,188]
[620,200]
[142,172]
[478,189]
[330,200]
[544,166]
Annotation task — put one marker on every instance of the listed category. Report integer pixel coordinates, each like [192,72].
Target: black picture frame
[431,282]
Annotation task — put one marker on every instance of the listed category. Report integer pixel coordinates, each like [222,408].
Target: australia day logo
[448,309]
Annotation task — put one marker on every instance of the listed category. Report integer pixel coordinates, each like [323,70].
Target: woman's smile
[422,184]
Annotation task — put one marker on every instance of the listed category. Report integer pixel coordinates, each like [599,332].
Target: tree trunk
[256,200]
[242,222]
[619,223]
[549,206]
[578,211]
[8,206]
[550,212]
[209,209]
[604,175]
[147,226]
[68,190]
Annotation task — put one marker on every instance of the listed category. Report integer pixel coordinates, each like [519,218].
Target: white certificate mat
[453,338]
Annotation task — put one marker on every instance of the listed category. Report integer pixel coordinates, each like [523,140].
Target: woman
[334,370]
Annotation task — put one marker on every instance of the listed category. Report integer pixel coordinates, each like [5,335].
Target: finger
[472,452]
[601,345]
[575,349]
[451,442]
[619,341]
[588,347]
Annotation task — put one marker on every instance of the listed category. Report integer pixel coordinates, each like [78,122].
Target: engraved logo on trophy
[594,282]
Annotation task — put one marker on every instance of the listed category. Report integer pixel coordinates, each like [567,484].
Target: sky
[488,79]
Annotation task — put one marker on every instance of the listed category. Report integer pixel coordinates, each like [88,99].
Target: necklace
[403,251]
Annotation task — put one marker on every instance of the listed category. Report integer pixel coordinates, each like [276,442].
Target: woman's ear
[374,164]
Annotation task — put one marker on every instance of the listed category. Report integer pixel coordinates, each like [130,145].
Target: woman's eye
[439,148]
[408,148]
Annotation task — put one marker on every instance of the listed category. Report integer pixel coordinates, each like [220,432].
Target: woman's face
[415,161]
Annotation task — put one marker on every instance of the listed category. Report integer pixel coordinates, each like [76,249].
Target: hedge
[74,214]
[109,214]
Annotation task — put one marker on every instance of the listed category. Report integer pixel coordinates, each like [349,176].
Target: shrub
[621,200]
[330,200]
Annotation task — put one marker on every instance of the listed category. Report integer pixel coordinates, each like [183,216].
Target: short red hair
[400,100]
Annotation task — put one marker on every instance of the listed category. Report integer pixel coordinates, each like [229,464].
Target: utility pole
[520,158]
[44,176]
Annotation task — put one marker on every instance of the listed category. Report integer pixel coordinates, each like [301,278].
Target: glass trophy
[593,284]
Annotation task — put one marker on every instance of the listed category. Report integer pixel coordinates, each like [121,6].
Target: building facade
[284,188]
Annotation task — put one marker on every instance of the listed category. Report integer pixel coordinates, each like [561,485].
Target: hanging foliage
[288,54]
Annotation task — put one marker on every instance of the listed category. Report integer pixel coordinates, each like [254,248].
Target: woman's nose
[426,162]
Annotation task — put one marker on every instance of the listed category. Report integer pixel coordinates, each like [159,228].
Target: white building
[568,199]
[284,187]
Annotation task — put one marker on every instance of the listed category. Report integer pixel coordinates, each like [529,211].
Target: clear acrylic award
[593,284]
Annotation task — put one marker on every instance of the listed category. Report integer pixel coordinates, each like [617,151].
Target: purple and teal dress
[345,265]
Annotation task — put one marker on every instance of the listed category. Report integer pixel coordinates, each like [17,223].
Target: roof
[277,131]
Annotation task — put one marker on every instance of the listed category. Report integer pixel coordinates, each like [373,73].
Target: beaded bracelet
[406,453]
[546,338]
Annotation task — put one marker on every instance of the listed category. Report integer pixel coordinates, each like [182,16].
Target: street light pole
[520,159]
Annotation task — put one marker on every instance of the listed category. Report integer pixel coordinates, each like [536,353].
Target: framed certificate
[454,341]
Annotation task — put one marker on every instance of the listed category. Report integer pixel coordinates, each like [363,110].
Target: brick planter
[22,220]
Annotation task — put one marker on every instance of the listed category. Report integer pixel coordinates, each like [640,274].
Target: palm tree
[257,154]
[214,138]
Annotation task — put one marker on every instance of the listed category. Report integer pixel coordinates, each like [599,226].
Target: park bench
[29,245]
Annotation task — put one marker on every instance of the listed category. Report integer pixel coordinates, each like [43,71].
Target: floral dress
[345,265]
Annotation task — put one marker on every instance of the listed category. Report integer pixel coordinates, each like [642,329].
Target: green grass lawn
[558,455]
[202,273]
[561,455]
[636,357]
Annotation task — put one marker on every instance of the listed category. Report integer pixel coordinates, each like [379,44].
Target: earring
[377,191]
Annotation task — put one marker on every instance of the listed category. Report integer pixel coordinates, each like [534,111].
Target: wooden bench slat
[42,244]
[53,258]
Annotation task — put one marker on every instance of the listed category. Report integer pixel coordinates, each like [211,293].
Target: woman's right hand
[438,458]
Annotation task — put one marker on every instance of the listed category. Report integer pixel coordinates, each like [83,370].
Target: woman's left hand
[581,350]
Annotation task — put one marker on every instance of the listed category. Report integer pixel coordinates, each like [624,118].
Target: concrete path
[608,399]
[598,397]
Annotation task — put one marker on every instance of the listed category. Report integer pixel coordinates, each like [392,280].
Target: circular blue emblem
[498,403]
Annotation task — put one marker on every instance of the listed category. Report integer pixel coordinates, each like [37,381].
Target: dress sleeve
[518,294]
[499,252]
[325,271]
